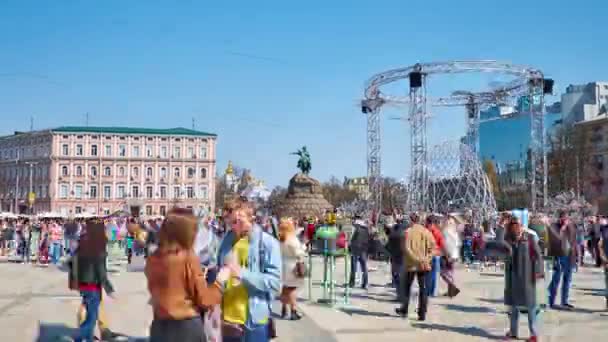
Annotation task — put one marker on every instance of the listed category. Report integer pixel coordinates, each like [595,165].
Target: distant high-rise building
[584,102]
[504,136]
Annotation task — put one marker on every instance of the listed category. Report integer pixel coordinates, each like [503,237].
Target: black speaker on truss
[548,86]
[415,79]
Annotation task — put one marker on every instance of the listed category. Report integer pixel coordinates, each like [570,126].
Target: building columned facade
[358,185]
[99,170]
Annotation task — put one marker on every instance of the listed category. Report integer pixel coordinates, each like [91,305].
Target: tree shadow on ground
[578,310]
[52,332]
[468,331]
[586,288]
[491,300]
[468,309]
[377,298]
[361,312]
[488,274]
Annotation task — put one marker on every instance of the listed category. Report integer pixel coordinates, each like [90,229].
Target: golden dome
[229,169]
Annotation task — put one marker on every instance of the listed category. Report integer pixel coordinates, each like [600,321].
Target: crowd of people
[214,278]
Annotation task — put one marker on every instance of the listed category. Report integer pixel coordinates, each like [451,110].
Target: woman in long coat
[523,268]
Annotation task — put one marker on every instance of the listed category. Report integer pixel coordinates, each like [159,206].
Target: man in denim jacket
[255,261]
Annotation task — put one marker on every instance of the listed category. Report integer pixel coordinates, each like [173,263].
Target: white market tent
[6,215]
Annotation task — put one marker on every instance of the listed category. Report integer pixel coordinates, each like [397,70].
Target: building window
[78,210]
[203,173]
[136,151]
[204,151]
[176,192]
[63,191]
[148,210]
[94,150]
[203,192]
[149,151]
[120,192]
[149,192]
[93,171]
[79,150]
[121,171]
[190,152]
[107,192]
[163,152]
[190,172]
[149,172]
[176,172]
[108,151]
[163,210]
[64,170]
[163,172]
[135,191]
[78,191]
[107,171]
[135,172]
[79,170]
[93,191]
[122,150]
[190,192]
[65,149]
[177,152]
[163,192]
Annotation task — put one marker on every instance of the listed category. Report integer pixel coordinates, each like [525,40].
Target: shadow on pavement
[55,332]
[375,297]
[362,312]
[468,309]
[491,300]
[50,332]
[468,331]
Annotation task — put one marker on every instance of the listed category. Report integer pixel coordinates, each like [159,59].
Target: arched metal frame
[527,82]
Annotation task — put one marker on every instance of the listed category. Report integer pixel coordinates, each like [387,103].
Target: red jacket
[439,242]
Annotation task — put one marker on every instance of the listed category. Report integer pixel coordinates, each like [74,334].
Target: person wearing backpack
[562,247]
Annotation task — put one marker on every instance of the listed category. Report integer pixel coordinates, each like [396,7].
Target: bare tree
[336,193]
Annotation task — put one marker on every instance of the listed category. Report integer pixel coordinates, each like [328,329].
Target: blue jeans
[91,301]
[561,266]
[606,281]
[360,259]
[433,276]
[258,334]
[396,268]
[532,320]
[55,252]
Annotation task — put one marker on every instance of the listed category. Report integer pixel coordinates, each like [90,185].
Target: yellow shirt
[234,304]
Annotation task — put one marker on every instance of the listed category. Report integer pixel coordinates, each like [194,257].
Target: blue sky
[271,76]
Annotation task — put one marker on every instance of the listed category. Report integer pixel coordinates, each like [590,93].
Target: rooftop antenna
[86,119]
[193,123]
[31,123]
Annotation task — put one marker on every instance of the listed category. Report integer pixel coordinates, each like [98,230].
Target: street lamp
[31,196]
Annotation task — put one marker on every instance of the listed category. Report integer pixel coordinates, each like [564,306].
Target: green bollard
[309,277]
[346,276]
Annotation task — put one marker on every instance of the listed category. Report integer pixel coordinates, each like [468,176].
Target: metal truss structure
[457,182]
[527,82]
